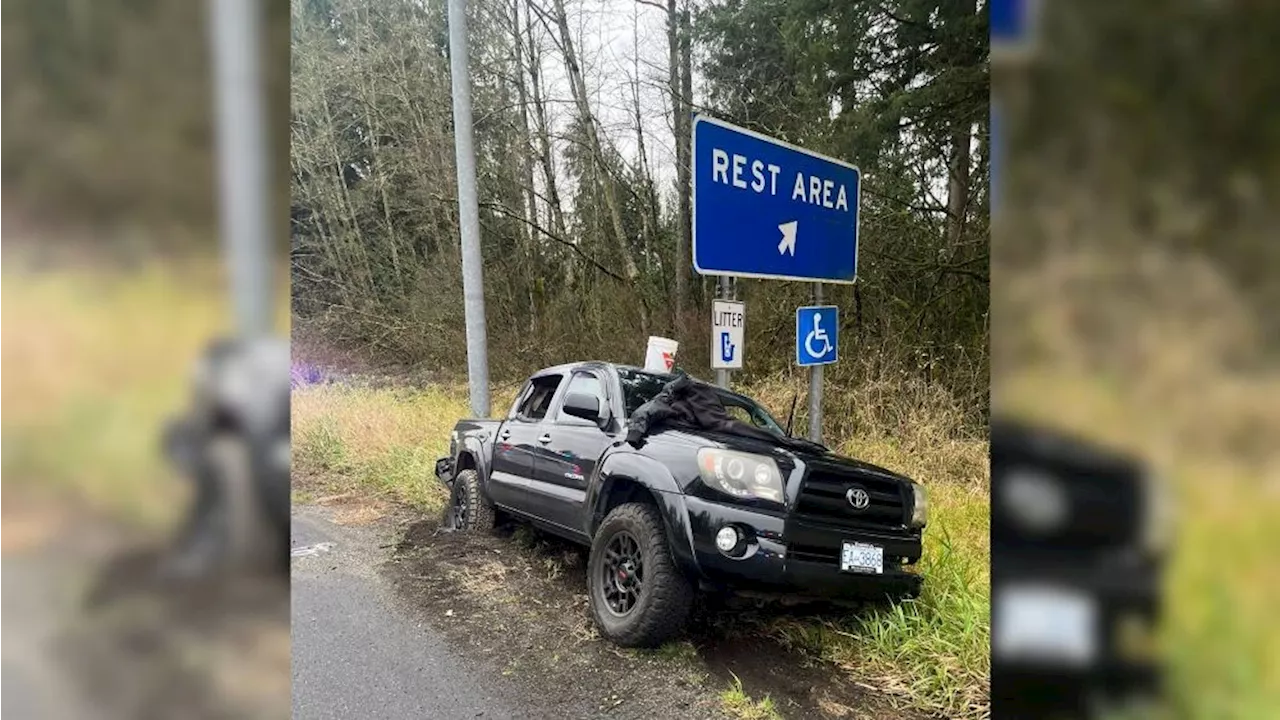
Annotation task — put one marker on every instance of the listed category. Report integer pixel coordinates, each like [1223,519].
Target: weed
[676,651]
[738,704]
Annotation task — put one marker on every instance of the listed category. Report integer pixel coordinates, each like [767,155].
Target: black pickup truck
[676,486]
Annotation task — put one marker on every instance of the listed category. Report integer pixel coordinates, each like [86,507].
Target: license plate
[1045,624]
[863,558]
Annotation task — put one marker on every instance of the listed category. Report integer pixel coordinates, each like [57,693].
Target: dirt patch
[213,649]
[519,597]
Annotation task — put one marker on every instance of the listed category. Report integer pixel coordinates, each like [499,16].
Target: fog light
[727,539]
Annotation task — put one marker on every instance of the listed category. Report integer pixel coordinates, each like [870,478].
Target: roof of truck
[564,368]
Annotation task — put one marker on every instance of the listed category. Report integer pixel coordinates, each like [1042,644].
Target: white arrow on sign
[788,238]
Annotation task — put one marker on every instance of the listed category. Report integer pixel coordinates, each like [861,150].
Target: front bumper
[1125,593]
[777,562]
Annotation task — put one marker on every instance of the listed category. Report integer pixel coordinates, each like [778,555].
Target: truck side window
[586,384]
[538,400]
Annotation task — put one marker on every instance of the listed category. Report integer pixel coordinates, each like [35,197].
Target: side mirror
[585,406]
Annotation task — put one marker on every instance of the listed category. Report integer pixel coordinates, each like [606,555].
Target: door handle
[505,435]
[546,438]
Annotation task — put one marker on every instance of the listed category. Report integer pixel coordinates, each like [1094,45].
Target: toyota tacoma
[678,486]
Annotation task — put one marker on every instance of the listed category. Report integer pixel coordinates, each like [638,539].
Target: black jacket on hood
[690,404]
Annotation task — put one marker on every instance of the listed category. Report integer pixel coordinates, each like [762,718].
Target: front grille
[822,499]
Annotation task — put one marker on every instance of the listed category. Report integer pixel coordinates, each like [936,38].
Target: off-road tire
[480,515]
[666,595]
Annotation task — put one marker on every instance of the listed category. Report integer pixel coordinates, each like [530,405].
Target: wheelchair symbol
[815,335]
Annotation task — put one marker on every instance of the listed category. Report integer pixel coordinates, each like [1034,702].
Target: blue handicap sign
[817,335]
[765,209]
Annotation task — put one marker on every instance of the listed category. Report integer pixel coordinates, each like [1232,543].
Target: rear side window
[538,399]
[587,384]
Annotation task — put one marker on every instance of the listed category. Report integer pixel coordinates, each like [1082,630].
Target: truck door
[517,441]
[572,446]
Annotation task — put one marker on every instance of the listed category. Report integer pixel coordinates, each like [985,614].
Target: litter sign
[817,331]
[727,322]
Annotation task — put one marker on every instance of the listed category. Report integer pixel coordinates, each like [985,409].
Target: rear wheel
[468,508]
[639,598]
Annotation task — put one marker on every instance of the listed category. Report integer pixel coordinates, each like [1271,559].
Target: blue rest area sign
[765,209]
[1013,26]
[817,335]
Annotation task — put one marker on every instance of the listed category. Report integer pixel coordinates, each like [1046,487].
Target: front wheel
[468,508]
[639,598]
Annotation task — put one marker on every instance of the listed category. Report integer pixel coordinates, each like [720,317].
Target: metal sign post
[817,344]
[468,213]
[815,385]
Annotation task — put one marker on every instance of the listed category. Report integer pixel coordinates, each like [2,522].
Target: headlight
[919,506]
[1036,501]
[742,475]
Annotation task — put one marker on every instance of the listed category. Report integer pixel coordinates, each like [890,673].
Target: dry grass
[380,442]
[95,361]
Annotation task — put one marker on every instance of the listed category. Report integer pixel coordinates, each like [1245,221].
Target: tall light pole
[243,190]
[468,213]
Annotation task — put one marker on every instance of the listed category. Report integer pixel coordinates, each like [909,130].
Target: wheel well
[617,491]
[466,461]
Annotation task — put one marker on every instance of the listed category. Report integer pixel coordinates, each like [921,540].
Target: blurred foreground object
[1135,275]
[234,443]
[1077,549]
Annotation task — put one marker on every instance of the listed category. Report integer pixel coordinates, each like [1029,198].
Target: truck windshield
[639,387]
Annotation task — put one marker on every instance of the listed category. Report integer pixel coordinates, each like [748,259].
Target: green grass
[738,704]
[932,651]
[1219,640]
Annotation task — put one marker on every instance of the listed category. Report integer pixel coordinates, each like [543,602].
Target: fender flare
[667,494]
[474,448]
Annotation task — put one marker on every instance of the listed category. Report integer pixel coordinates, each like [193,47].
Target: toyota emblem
[858,498]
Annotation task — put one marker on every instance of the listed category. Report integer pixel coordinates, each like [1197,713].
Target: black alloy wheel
[468,510]
[622,579]
[639,597]
[459,509]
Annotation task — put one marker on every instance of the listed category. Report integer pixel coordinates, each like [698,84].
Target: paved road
[41,594]
[358,653]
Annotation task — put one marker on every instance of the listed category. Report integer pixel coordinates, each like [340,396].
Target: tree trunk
[679,117]
[960,144]
[529,200]
[650,213]
[686,137]
[579,88]
[546,159]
